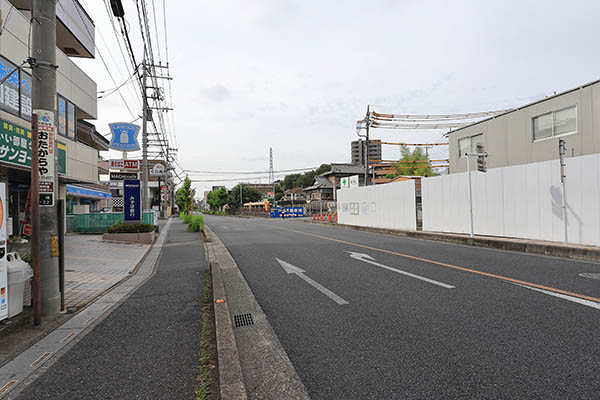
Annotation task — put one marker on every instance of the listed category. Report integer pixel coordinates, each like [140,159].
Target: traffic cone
[330,219]
[322,219]
[313,216]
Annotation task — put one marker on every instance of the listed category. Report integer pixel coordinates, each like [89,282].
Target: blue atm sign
[132,201]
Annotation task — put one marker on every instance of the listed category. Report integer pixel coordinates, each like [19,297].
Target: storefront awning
[87,192]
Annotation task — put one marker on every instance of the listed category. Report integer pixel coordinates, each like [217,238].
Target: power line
[249,173]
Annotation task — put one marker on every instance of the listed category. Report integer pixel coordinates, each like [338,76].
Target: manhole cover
[591,275]
[243,320]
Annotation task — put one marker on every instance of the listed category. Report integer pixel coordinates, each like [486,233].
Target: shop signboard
[131,199]
[46,154]
[15,147]
[344,182]
[157,170]
[353,181]
[124,136]
[3,266]
[125,164]
[121,176]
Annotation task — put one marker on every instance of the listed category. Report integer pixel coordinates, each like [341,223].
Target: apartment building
[358,148]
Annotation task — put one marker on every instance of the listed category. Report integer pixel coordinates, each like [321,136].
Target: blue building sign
[124,136]
[132,203]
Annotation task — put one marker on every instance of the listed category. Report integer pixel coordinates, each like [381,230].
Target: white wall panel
[523,201]
[392,206]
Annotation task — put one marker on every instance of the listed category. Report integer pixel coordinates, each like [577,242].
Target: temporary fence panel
[99,222]
[390,205]
[523,201]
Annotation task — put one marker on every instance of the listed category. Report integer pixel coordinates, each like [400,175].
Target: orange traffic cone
[330,219]
[322,219]
[313,216]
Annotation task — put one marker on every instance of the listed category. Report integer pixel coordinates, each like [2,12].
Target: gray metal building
[530,133]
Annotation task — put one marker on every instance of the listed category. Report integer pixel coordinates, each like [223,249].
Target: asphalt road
[148,347]
[512,325]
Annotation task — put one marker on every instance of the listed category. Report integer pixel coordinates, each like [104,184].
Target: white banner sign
[353,181]
[46,154]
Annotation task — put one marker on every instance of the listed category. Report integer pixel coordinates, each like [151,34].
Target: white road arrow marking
[291,269]
[368,259]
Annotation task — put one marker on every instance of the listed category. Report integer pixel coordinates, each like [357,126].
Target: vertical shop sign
[131,200]
[46,154]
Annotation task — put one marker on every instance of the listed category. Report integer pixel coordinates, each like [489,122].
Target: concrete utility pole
[43,52]
[145,111]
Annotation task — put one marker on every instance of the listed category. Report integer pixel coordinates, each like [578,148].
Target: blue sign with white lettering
[124,136]
[131,200]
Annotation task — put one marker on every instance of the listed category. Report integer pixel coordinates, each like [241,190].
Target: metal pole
[35,223]
[366,150]
[561,151]
[470,195]
[43,39]
[61,251]
[241,199]
[145,111]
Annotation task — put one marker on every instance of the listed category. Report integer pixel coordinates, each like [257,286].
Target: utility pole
[241,198]
[43,63]
[145,112]
[367,120]
[562,149]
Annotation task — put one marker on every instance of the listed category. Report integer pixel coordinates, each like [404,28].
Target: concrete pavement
[509,325]
[92,266]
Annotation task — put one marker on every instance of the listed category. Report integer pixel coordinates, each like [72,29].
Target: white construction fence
[523,201]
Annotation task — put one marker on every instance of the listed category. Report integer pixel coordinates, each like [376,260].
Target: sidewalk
[92,266]
[554,249]
[148,346]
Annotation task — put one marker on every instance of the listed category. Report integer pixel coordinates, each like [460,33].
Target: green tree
[413,163]
[322,169]
[249,194]
[184,195]
[216,199]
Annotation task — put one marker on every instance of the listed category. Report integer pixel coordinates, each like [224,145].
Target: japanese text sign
[46,154]
[131,200]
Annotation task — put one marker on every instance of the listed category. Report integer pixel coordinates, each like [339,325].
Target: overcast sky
[296,75]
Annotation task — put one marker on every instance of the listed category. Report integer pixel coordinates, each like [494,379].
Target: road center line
[456,267]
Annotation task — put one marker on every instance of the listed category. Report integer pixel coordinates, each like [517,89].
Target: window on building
[556,123]
[469,144]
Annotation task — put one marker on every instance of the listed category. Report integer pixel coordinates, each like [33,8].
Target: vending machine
[3,250]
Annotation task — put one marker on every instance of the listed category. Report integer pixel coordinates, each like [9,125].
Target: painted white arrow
[368,259]
[291,269]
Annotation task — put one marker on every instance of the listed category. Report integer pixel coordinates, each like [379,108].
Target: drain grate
[243,320]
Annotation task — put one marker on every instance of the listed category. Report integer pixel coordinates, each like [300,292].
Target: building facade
[531,133]
[358,151]
[77,142]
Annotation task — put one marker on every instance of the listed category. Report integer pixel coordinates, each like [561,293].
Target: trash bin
[19,272]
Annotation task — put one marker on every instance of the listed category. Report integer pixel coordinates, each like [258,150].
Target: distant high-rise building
[358,151]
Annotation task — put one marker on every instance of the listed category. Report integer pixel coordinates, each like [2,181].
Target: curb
[231,380]
[253,360]
[547,249]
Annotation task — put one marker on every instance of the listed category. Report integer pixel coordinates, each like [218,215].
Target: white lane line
[291,269]
[577,300]
[368,259]
[591,275]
